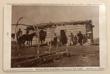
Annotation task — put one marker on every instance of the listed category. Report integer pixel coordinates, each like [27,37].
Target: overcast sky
[44,14]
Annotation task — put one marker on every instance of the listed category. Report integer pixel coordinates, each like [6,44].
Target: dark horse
[26,38]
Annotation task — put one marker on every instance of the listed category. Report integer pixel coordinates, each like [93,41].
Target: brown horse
[26,38]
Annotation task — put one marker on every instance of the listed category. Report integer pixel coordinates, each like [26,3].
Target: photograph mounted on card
[54,37]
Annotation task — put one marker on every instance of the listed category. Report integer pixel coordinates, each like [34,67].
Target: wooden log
[44,58]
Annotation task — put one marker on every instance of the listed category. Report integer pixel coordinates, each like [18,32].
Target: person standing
[42,36]
[80,38]
[75,40]
[71,39]
[84,38]
[55,40]
[19,33]
[63,37]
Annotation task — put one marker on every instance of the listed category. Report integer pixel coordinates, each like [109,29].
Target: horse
[26,37]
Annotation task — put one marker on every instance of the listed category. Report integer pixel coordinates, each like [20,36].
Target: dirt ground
[81,56]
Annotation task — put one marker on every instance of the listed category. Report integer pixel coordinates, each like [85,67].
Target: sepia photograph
[54,36]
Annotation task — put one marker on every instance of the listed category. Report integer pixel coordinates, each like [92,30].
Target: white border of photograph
[7,41]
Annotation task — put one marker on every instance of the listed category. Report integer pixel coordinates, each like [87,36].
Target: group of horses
[26,39]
